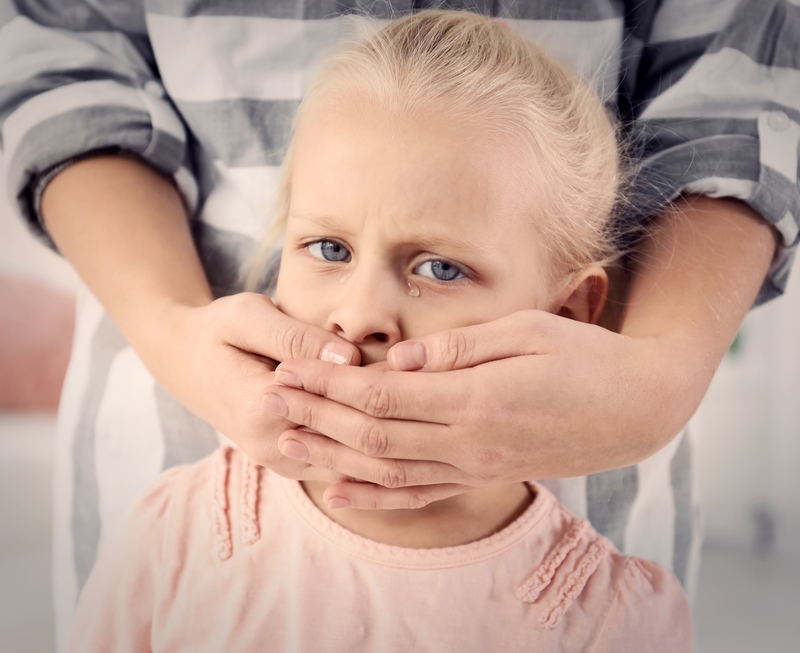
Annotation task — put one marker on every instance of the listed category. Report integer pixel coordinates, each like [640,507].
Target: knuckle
[371,503]
[294,341]
[527,318]
[392,474]
[371,439]
[488,457]
[308,415]
[378,401]
[323,458]
[417,500]
[538,322]
[235,303]
[244,305]
[254,422]
[320,384]
[265,454]
[456,348]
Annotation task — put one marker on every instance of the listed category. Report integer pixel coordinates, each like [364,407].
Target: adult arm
[534,395]
[79,79]
[124,228]
[716,112]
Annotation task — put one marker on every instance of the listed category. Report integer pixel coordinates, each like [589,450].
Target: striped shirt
[206,91]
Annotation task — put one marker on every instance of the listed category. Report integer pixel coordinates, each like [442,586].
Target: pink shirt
[223,556]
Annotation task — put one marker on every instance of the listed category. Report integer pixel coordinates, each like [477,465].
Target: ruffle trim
[248,503]
[596,551]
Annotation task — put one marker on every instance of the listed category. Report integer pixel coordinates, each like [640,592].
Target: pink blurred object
[37,321]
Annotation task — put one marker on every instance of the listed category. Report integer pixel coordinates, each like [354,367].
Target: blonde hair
[472,68]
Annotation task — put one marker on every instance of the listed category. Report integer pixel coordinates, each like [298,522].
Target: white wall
[747,431]
[21,253]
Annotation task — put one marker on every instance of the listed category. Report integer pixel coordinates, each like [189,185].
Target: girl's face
[401,226]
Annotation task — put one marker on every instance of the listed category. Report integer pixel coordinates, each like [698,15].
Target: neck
[465,518]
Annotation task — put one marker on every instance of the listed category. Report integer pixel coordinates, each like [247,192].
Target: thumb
[256,325]
[519,334]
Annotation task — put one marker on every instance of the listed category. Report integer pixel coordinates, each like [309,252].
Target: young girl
[443,173]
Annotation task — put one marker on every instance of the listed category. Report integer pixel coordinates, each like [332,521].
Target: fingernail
[275,404]
[335,352]
[294,449]
[337,503]
[288,378]
[408,356]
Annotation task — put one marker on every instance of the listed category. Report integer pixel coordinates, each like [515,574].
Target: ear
[584,296]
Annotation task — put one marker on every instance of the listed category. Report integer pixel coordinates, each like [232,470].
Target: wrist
[162,334]
[672,373]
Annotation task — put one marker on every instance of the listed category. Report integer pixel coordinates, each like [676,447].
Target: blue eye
[328,250]
[439,270]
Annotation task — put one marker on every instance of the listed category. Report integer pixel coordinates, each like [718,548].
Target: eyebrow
[323,220]
[428,241]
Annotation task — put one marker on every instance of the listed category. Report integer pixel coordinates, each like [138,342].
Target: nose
[368,312]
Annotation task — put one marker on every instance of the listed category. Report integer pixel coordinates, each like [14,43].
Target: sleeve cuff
[55,129]
[759,168]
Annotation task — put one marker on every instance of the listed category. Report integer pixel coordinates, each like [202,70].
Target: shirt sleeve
[116,607]
[649,614]
[79,77]
[715,100]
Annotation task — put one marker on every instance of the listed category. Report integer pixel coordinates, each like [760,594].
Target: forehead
[417,171]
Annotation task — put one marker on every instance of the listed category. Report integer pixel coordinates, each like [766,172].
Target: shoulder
[167,497]
[598,599]
[149,511]
[649,611]
[177,485]
[187,500]
[576,571]
[123,585]
[214,504]
[189,517]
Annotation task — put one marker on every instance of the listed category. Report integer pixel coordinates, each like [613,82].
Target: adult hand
[533,395]
[124,228]
[219,361]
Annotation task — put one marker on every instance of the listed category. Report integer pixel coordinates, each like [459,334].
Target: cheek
[302,295]
[433,313]
[436,313]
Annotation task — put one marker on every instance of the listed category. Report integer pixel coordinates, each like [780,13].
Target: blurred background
[746,436]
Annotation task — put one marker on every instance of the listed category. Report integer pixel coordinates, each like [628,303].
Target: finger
[256,325]
[374,437]
[263,448]
[258,438]
[300,470]
[384,394]
[367,496]
[519,334]
[322,452]
[287,467]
